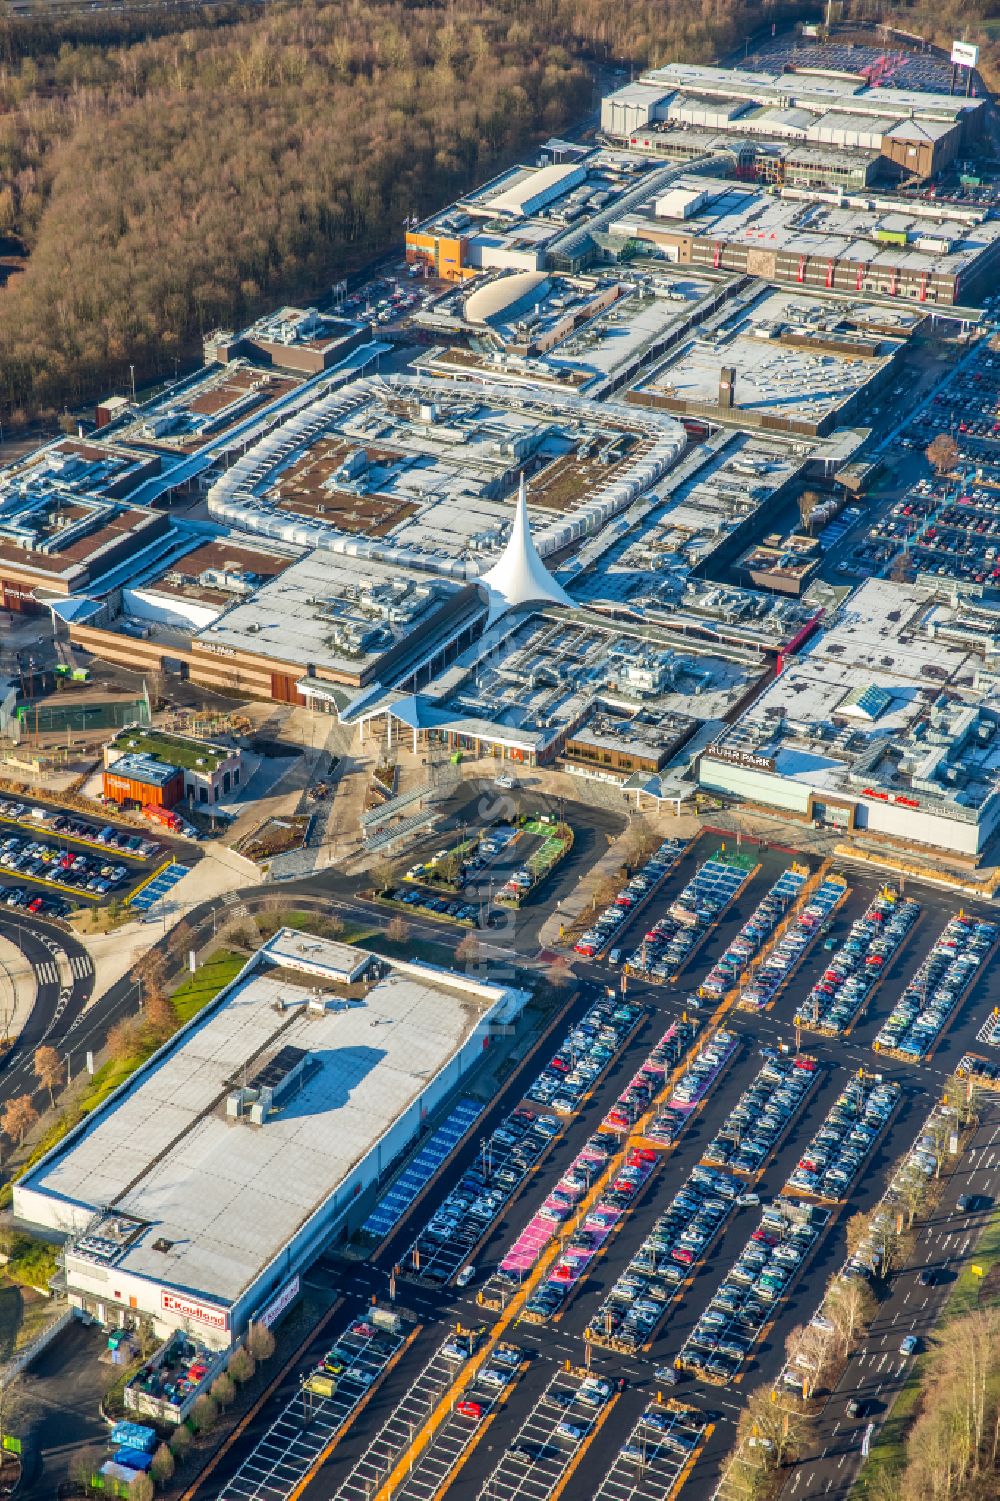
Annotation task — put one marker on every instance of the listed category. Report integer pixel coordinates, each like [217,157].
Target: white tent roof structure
[520,577]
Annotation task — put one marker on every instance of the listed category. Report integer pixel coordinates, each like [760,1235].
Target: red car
[469,1409]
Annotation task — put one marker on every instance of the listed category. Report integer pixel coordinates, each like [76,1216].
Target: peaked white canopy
[520,577]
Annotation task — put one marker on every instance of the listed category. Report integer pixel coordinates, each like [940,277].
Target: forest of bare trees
[162,185]
[166,171]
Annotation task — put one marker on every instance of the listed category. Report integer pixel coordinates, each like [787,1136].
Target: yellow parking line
[148,881]
[574,1463]
[538,1272]
[355,1412]
[695,1455]
[63,838]
[477,1434]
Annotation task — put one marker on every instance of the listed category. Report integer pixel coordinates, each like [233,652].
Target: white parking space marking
[292,1444]
[650,1461]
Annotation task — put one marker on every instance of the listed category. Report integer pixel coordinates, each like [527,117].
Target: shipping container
[166,816]
[133,1436]
[134,1459]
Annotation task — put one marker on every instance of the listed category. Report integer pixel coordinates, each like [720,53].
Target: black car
[928,1276]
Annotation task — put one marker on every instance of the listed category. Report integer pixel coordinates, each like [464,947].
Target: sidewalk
[216,875]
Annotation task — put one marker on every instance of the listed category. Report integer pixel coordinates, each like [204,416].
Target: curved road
[51,952]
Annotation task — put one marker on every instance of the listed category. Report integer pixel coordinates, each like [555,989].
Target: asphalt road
[878,1369]
[58,1007]
[66,1424]
[563,1340]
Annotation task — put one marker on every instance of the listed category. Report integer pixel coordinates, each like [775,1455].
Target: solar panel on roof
[271,1073]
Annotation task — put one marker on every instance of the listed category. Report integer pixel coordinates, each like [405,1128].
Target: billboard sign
[190,1308]
[278,1304]
[965,54]
[737,757]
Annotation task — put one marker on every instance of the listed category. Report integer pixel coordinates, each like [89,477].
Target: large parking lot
[661,1194]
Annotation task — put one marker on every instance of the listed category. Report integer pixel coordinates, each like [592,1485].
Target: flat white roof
[316,956]
[228,1195]
[304,614]
[526,189]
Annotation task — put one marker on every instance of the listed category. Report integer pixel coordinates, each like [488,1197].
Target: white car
[504,781]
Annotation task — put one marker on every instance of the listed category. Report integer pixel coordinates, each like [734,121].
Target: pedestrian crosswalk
[47,970]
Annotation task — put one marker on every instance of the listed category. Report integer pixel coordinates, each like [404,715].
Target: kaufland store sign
[189,1308]
[276,1308]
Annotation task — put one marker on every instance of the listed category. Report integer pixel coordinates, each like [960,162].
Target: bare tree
[123,1040]
[902,570]
[775,1421]
[18,1117]
[241,1366]
[260,1342]
[384,873]
[397,931]
[204,1414]
[808,501]
[943,453]
[946,1449]
[160,1013]
[911,1189]
[163,1466]
[223,1390]
[181,939]
[49,1070]
[850,1306]
[469,949]
[962,1094]
[86,1465]
[559,973]
[151,971]
[813,1351]
[857,1232]
[180,1442]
